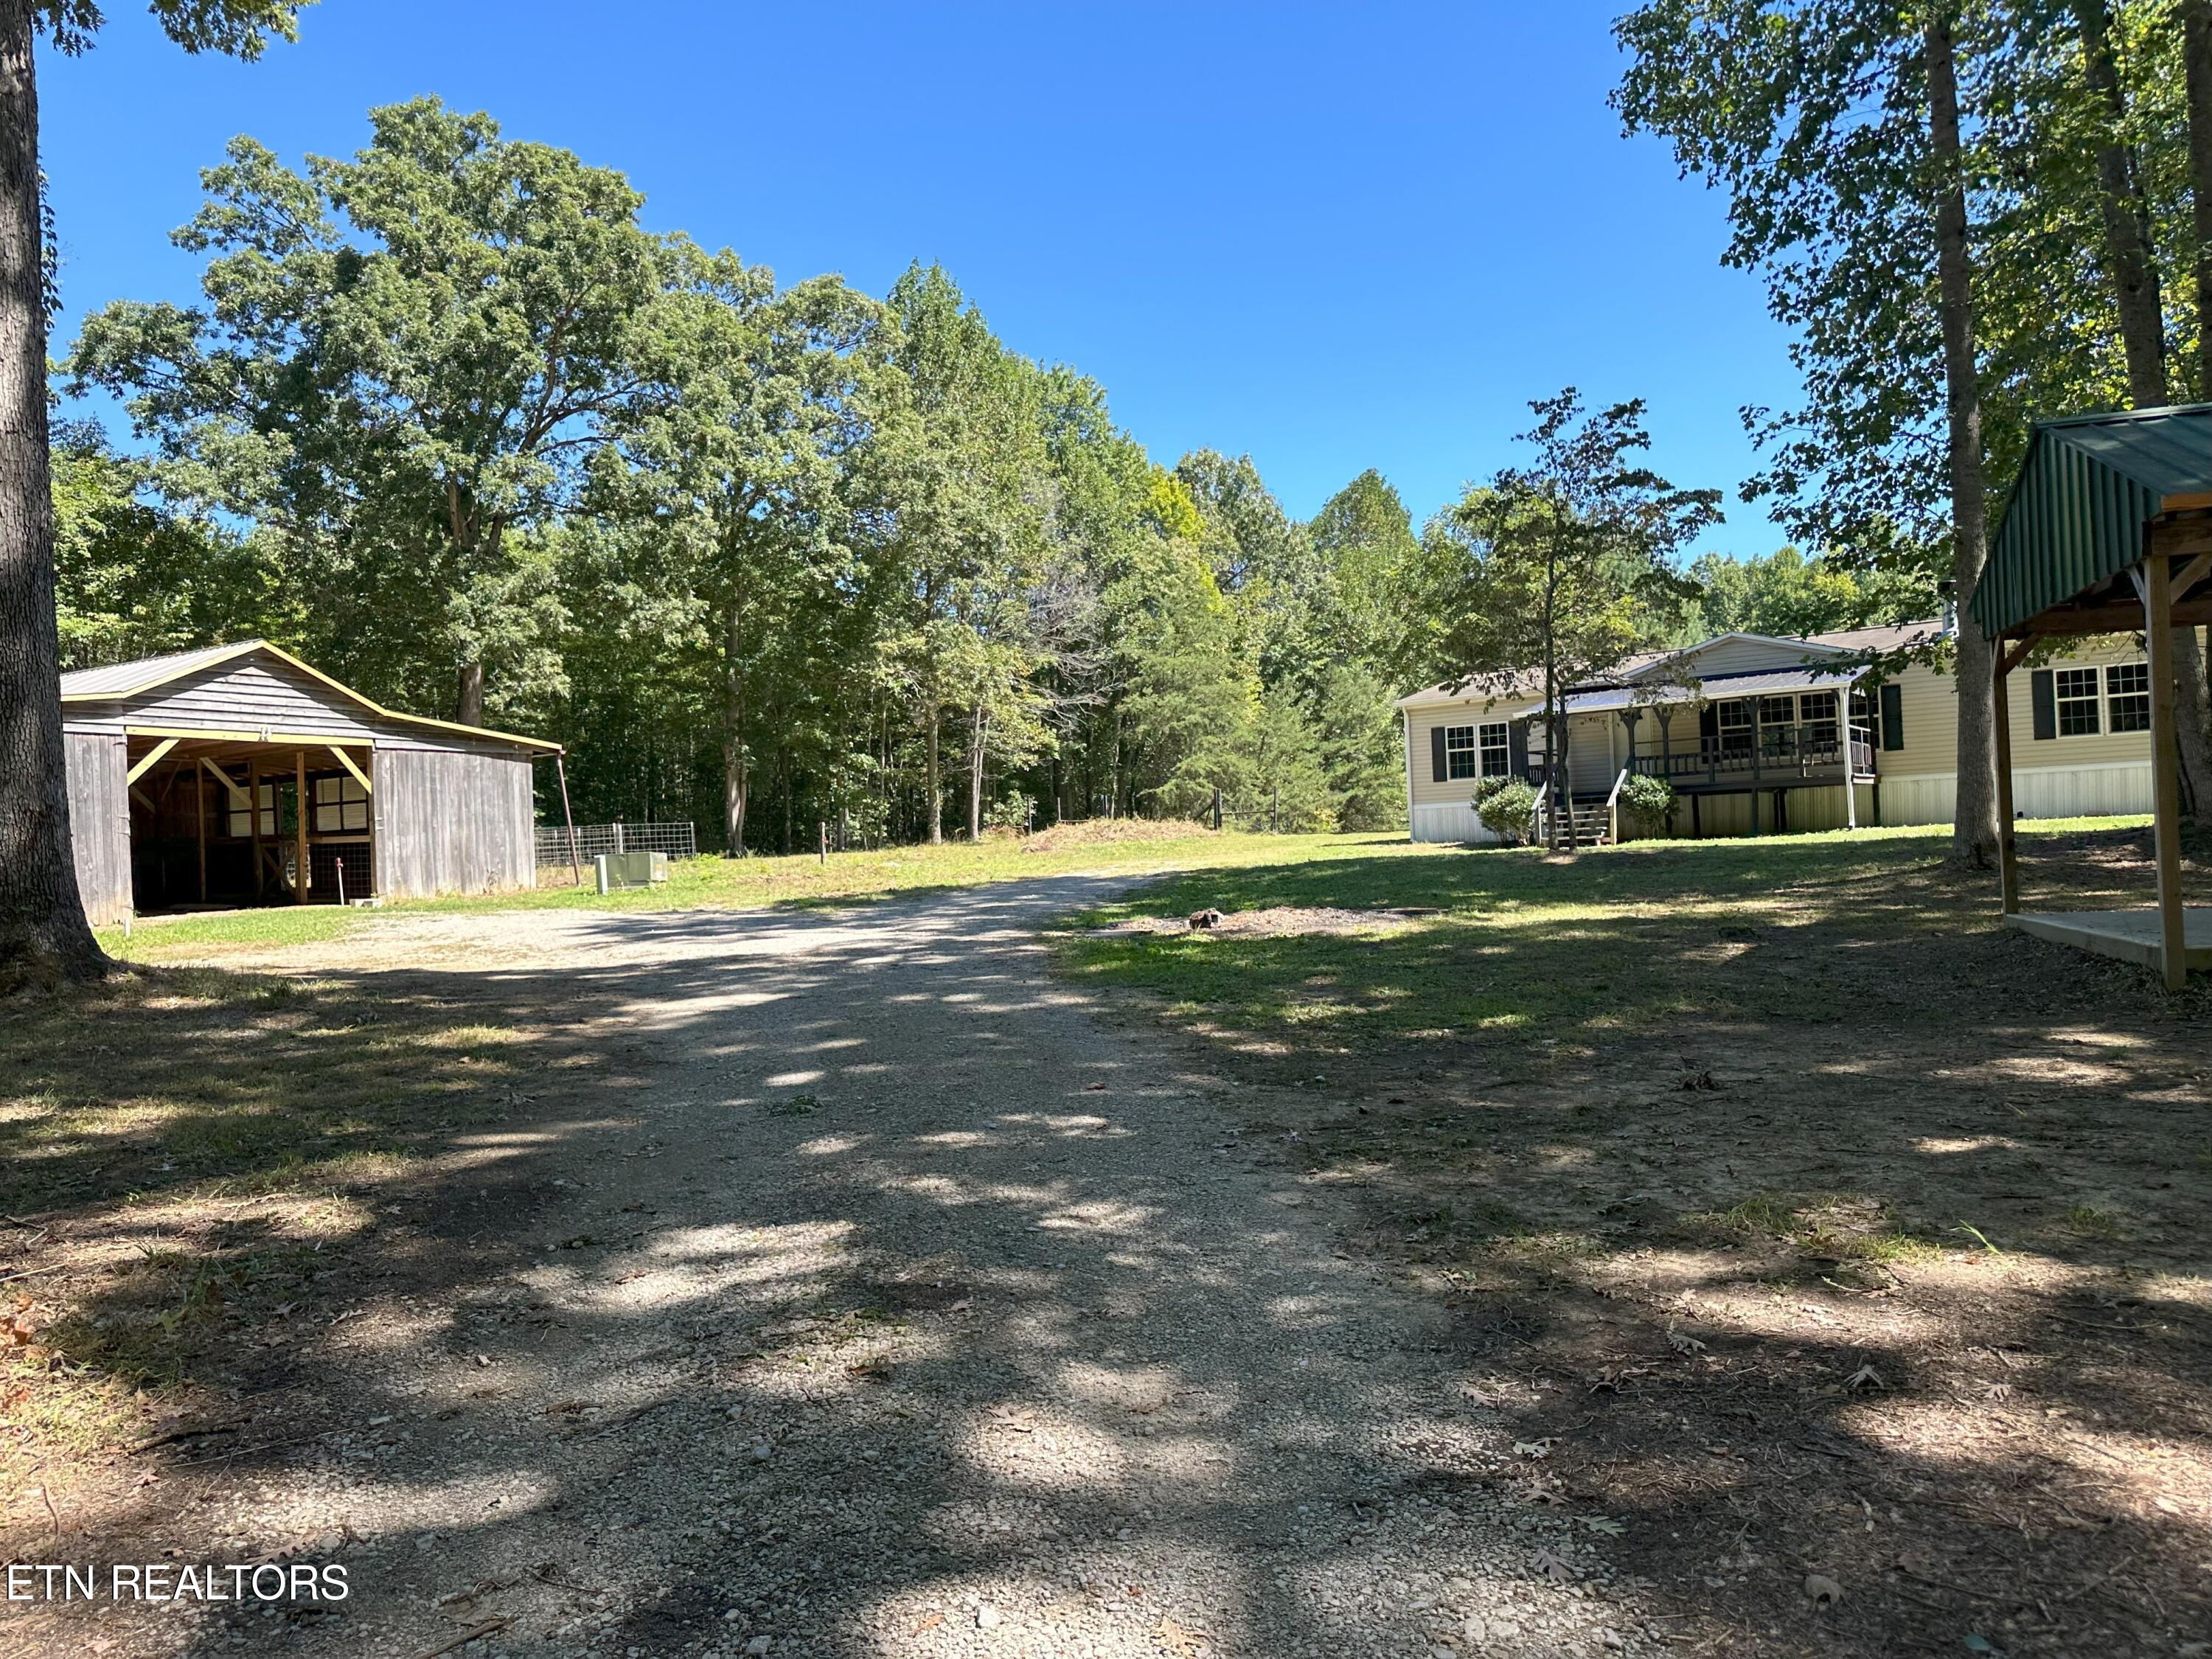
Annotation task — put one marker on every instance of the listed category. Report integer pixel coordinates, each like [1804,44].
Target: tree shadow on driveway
[662,1284]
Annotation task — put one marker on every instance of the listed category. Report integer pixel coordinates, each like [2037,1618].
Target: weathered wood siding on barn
[253,696]
[448,822]
[100,822]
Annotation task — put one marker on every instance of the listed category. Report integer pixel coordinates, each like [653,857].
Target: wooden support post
[300,875]
[254,825]
[2008,843]
[2165,767]
[575,863]
[822,832]
[199,814]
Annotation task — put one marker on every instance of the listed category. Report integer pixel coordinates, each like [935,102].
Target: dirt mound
[1104,832]
[1280,921]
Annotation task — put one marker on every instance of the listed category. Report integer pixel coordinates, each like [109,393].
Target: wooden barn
[237,774]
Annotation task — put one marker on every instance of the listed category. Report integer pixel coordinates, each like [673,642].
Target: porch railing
[1781,758]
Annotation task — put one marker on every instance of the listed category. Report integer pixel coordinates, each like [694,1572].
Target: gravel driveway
[884,1299]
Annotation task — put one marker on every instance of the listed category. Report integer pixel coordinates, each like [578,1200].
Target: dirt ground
[1745,1250]
[1872,1302]
[716,1284]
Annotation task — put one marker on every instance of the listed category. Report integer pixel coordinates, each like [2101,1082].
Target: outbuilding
[237,774]
[2108,527]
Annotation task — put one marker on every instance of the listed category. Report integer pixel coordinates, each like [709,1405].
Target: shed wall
[448,822]
[100,822]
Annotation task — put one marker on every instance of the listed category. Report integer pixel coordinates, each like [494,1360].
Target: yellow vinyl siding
[1422,722]
[1931,718]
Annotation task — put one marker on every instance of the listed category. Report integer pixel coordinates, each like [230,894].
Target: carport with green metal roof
[2108,530]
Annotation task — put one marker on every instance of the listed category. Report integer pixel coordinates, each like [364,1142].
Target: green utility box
[630,869]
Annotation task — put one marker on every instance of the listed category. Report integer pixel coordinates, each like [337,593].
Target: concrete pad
[2129,935]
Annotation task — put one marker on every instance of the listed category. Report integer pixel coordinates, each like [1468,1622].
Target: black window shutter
[1437,754]
[2043,694]
[1516,747]
[1892,716]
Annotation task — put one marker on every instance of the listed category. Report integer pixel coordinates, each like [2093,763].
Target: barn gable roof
[121,681]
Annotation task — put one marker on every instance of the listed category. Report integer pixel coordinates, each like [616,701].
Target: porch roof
[1766,682]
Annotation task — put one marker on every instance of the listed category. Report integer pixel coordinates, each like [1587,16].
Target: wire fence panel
[679,841]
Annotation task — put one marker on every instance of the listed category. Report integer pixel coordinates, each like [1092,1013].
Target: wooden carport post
[2164,766]
[2002,662]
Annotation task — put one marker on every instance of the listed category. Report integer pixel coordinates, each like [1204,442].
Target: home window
[341,803]
[1497,751]
[1816,712]
[1462,758]
[2077,703]
[1777,722]
[2127,695]
[1733,719]
[242,818]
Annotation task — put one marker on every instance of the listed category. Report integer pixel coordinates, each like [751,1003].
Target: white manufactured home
[1758,733]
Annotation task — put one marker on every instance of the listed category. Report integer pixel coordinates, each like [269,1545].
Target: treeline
[450,423]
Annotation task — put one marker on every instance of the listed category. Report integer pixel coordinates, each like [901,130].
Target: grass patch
[803,881]
[145,1121]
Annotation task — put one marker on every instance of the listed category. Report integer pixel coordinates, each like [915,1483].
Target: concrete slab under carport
[2128,935]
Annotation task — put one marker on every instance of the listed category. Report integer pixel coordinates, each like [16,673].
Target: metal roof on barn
[2075,516]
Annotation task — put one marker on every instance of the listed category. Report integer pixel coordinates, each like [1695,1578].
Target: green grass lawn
[1621,940]
[752,883]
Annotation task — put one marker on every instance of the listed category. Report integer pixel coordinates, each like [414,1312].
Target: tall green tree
[134,576]
[403,360]
[1786,594]
[970,517]
[1568,564]
[1836,127]
[43,933]
[755,478]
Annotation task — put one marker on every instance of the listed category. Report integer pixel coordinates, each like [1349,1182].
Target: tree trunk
[43,933]
[734,771]
[734,797]
[933,784]
[2128,256]
[976,731]
[2192,719]
[2196,66]
[2139,303]
[1974,827]
[468,700]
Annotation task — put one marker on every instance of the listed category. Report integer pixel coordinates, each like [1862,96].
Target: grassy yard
[749,884]
[1795,1213]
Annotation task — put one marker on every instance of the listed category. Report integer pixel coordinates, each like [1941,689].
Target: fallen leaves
[1551,1567]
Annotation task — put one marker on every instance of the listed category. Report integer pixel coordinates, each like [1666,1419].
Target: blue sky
[1332,236]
